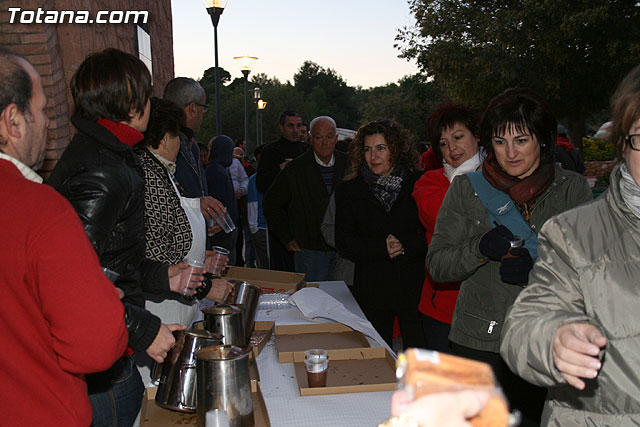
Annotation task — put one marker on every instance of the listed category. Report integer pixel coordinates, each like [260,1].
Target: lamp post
[262,104]
[257,95]
[246,69]
[215,9]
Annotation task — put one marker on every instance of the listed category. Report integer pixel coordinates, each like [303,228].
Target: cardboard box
[262,331]
[295,339]
[269,280]
[352,371]
[155,416]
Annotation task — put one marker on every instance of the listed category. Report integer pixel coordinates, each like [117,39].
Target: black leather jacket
[102,179]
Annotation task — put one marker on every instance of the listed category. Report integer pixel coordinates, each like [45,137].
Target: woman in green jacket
[487,212]
[575,328]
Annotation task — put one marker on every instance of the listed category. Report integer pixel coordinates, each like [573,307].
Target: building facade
[56,36]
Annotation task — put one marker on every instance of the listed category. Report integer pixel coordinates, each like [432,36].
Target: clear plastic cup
[317,369]
[215,263]
[316,353]
[225,222]
[191,277]
[210,223]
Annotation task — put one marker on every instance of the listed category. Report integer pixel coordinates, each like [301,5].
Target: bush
[603,180]
[597,149]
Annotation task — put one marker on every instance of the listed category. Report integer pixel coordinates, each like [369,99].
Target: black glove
[515,269]
[495,243]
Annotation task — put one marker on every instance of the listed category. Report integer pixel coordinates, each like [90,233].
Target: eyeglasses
[205,107]
[633,141]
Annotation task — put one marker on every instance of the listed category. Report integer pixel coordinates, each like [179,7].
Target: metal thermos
[245,296]
[224,386]
[177,375]
[225,320]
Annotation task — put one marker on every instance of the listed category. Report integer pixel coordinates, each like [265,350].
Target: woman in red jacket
[452,130]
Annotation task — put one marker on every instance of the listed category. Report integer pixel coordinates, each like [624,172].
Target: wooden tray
[155,416]
[295,339]
[352,371]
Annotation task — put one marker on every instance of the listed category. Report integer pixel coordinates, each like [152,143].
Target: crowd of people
[487,246]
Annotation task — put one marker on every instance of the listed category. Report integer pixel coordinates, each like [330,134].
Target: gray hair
[183,91]
[321,118]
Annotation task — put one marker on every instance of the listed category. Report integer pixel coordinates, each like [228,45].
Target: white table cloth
[280,388]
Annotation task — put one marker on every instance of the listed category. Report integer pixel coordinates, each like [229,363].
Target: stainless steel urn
[225,320]
[224,386]
[177,375]
[245,296]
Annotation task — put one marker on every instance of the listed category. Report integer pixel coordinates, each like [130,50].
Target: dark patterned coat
[168,233]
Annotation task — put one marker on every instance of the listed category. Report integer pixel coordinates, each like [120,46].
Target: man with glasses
[189,95]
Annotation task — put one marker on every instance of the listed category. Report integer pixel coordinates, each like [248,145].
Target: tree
[208,80]
[572,52]
[408,103]
[326,93]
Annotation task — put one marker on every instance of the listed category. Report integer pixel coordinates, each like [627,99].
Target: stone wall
[56,50]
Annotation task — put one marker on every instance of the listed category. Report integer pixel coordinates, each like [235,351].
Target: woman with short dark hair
[453,130]
[487,226]
[99,174]
[377,227]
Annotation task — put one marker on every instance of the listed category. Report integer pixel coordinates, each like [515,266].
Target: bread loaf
[432,372]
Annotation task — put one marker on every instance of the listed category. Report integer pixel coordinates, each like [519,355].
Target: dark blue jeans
[116,394]
[436,334]
[317,266]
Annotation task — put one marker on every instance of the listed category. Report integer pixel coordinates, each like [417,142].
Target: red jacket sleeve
[429,193]
[82,308]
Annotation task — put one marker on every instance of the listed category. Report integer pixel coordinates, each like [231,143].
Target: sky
[353,37]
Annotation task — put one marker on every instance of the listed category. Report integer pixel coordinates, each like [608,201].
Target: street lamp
[257,95]
[262,104]
[246,69]
[215,9]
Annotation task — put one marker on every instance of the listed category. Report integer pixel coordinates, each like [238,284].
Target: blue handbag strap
[503,210]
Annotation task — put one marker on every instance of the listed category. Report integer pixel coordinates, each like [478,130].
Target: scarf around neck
[125,133]
[630,190]
[385,188]
[523,191]
[470,165]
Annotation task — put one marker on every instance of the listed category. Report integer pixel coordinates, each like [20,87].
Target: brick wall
[56,50]
[598,168]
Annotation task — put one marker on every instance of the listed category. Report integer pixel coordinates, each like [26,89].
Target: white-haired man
[295,203]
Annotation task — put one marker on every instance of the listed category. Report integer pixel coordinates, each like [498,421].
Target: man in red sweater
[61,318]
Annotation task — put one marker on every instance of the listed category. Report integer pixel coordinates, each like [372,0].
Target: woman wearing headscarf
[453,130]
[487,212]
[575,328]
[377,227]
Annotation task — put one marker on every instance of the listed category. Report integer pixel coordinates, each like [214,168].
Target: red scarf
[125,133]
[522,191]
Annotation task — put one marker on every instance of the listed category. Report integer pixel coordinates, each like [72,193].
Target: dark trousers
[523,396]
[436,334]
[410,325]
[279,257]
[116,394]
